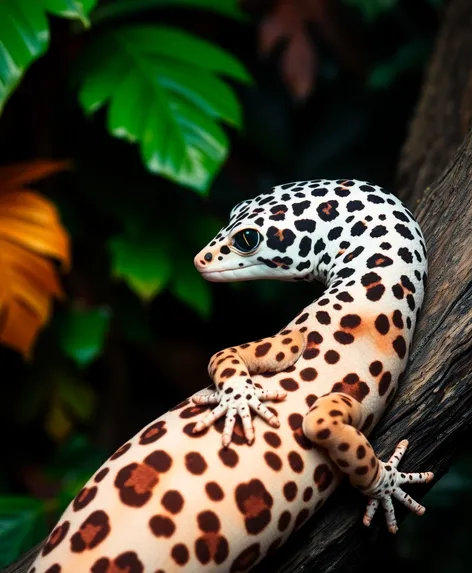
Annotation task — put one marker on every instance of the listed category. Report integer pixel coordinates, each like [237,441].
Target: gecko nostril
[208,257]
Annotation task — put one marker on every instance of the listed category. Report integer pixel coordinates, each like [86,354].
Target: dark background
[350,122]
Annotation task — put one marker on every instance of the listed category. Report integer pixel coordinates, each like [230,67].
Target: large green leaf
[163,92]
[126,8]
[22,525]
[24,35]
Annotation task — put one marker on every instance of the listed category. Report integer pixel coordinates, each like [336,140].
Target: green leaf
[126,8]
[82,333]
[164,94]
[189,287]
[77,397]
[74,9]
[408,56]
[22,525]
[143,262]
[24,35]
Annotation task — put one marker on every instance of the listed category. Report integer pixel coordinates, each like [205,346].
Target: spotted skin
[174,498]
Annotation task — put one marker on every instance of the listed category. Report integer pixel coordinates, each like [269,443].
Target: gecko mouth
[235,274]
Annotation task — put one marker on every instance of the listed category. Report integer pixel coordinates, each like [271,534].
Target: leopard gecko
[225,477]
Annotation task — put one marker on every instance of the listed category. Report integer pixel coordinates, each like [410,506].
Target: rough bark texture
[433,407]
[444,111]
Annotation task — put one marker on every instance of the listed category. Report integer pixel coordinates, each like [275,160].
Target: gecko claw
[388,486]
[243,398]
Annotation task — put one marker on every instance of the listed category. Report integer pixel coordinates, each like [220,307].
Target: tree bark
[433,407]
[444,110]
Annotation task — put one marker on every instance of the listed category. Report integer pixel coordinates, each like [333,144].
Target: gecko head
[264,239]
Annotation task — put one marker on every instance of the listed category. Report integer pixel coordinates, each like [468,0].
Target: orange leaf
[299,65]
[287,22]
[18,174]
[30,236]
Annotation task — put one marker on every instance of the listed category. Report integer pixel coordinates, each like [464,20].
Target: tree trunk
[434,404]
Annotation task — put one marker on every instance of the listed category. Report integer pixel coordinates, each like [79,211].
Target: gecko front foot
[389,484]
[240,398]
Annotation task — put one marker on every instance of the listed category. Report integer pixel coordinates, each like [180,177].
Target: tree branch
[444,111]
[433,407]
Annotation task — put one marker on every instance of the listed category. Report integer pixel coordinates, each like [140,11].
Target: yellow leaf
[31,235]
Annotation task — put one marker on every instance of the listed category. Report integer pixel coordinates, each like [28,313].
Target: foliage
[24,31]
[161,84]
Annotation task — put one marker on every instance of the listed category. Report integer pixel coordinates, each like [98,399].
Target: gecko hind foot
[243,398]
[389,484]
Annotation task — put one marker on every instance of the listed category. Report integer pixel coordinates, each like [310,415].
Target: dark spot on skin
[295,461]
[403,231]
[91,533]
[289,384]
[375,199]
[332,357]
[353,206]
[188,431]
[308,374]
[378,231]
[368,423]
[101,474]
[290,490]
[214,491]
[299,208]
[301,319]
[343,337]
[358,229]
[255,503]
[273,461]
[399,346]
[323,317]
[350,321]
[284,520]
[84,497]
[162,526]
[180,554]
[305,225]
[375,368]
[328,211]
[272,439]
[379,260]
[375,293]
[344,297]
[382,324]
[280,239]
[229,457]
[397,319]
[153,433]
[56,537]
[323,477]
[263,349]
[120,451]
[195,463]
[405,255]
[384,383]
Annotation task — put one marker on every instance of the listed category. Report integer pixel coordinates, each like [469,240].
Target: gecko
[225,477]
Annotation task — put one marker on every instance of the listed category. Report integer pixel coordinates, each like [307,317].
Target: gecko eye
[247,240]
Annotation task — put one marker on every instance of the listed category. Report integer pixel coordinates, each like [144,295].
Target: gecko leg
[332,423]
[389,484]
[235,392]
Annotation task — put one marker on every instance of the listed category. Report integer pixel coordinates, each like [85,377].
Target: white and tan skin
[225,477]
